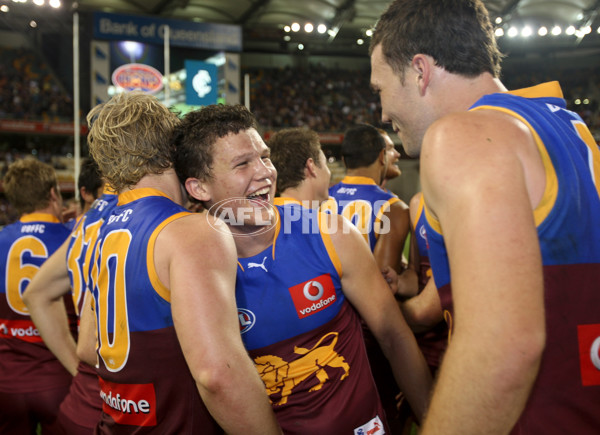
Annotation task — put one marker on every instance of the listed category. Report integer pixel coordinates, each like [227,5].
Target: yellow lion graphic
[282,376]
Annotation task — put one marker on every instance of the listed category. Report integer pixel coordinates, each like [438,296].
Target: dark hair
[458,35]
[199,130]
[361,146]
[290,149]
[89,178]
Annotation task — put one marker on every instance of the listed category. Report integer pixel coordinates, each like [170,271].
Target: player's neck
[249,245]
[304,194]
[167,183]
[374,172]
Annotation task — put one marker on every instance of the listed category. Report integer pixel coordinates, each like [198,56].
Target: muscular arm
[475,184]
[390,244]
[44,299]
[369,293]
[199,263]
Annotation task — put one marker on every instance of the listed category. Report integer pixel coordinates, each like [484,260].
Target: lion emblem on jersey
[281,376]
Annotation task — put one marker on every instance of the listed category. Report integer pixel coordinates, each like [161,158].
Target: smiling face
[243,173]
[401,103]
[392,170]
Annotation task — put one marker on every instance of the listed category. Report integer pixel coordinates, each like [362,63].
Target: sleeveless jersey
[145,383]
[424,267]
[303,335]
[566,394]
[432,343]
[26,364]
[363,202]
[83,404]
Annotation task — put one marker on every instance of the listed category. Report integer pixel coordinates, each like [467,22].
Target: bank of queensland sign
[209,36]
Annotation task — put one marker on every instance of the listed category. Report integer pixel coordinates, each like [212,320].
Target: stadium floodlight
[526,32]
[499,32]
[295,27]
[308,27]
[54,3]
[287,29]
[321,28]
[512,32]
[570,30]
[556,30]
[542,31]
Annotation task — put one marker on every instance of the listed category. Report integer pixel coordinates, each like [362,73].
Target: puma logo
[261,265]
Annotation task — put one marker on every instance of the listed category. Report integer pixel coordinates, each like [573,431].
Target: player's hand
[391,277]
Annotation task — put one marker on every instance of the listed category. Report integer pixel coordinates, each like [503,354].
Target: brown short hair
[458,35]
[290,149]
[130,137]
[199,130]
[27,185]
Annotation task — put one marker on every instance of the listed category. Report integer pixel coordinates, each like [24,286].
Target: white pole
[76,103]
[247,91]
[167,66]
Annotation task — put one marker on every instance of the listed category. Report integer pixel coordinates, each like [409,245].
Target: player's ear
[422,65]
[197,189]
[382,157]
[309,168]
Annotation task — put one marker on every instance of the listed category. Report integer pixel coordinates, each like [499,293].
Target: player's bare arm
[44,299]
[472,166]
[368,292]
[199,261]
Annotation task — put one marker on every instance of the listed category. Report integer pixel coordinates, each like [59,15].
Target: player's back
[144,379]
[26,364]
[363,202]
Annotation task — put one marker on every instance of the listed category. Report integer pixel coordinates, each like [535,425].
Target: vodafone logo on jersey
[589,353]
[313,295]
[132,404]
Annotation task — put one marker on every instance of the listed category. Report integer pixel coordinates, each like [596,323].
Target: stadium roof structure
[268,25]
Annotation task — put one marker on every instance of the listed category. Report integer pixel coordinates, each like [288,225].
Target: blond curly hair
[130,137]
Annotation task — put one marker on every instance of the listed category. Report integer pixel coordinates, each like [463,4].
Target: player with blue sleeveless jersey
[169,352]
[66,271]
[380,216]
[32,381]
[304,278]
[510,181]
